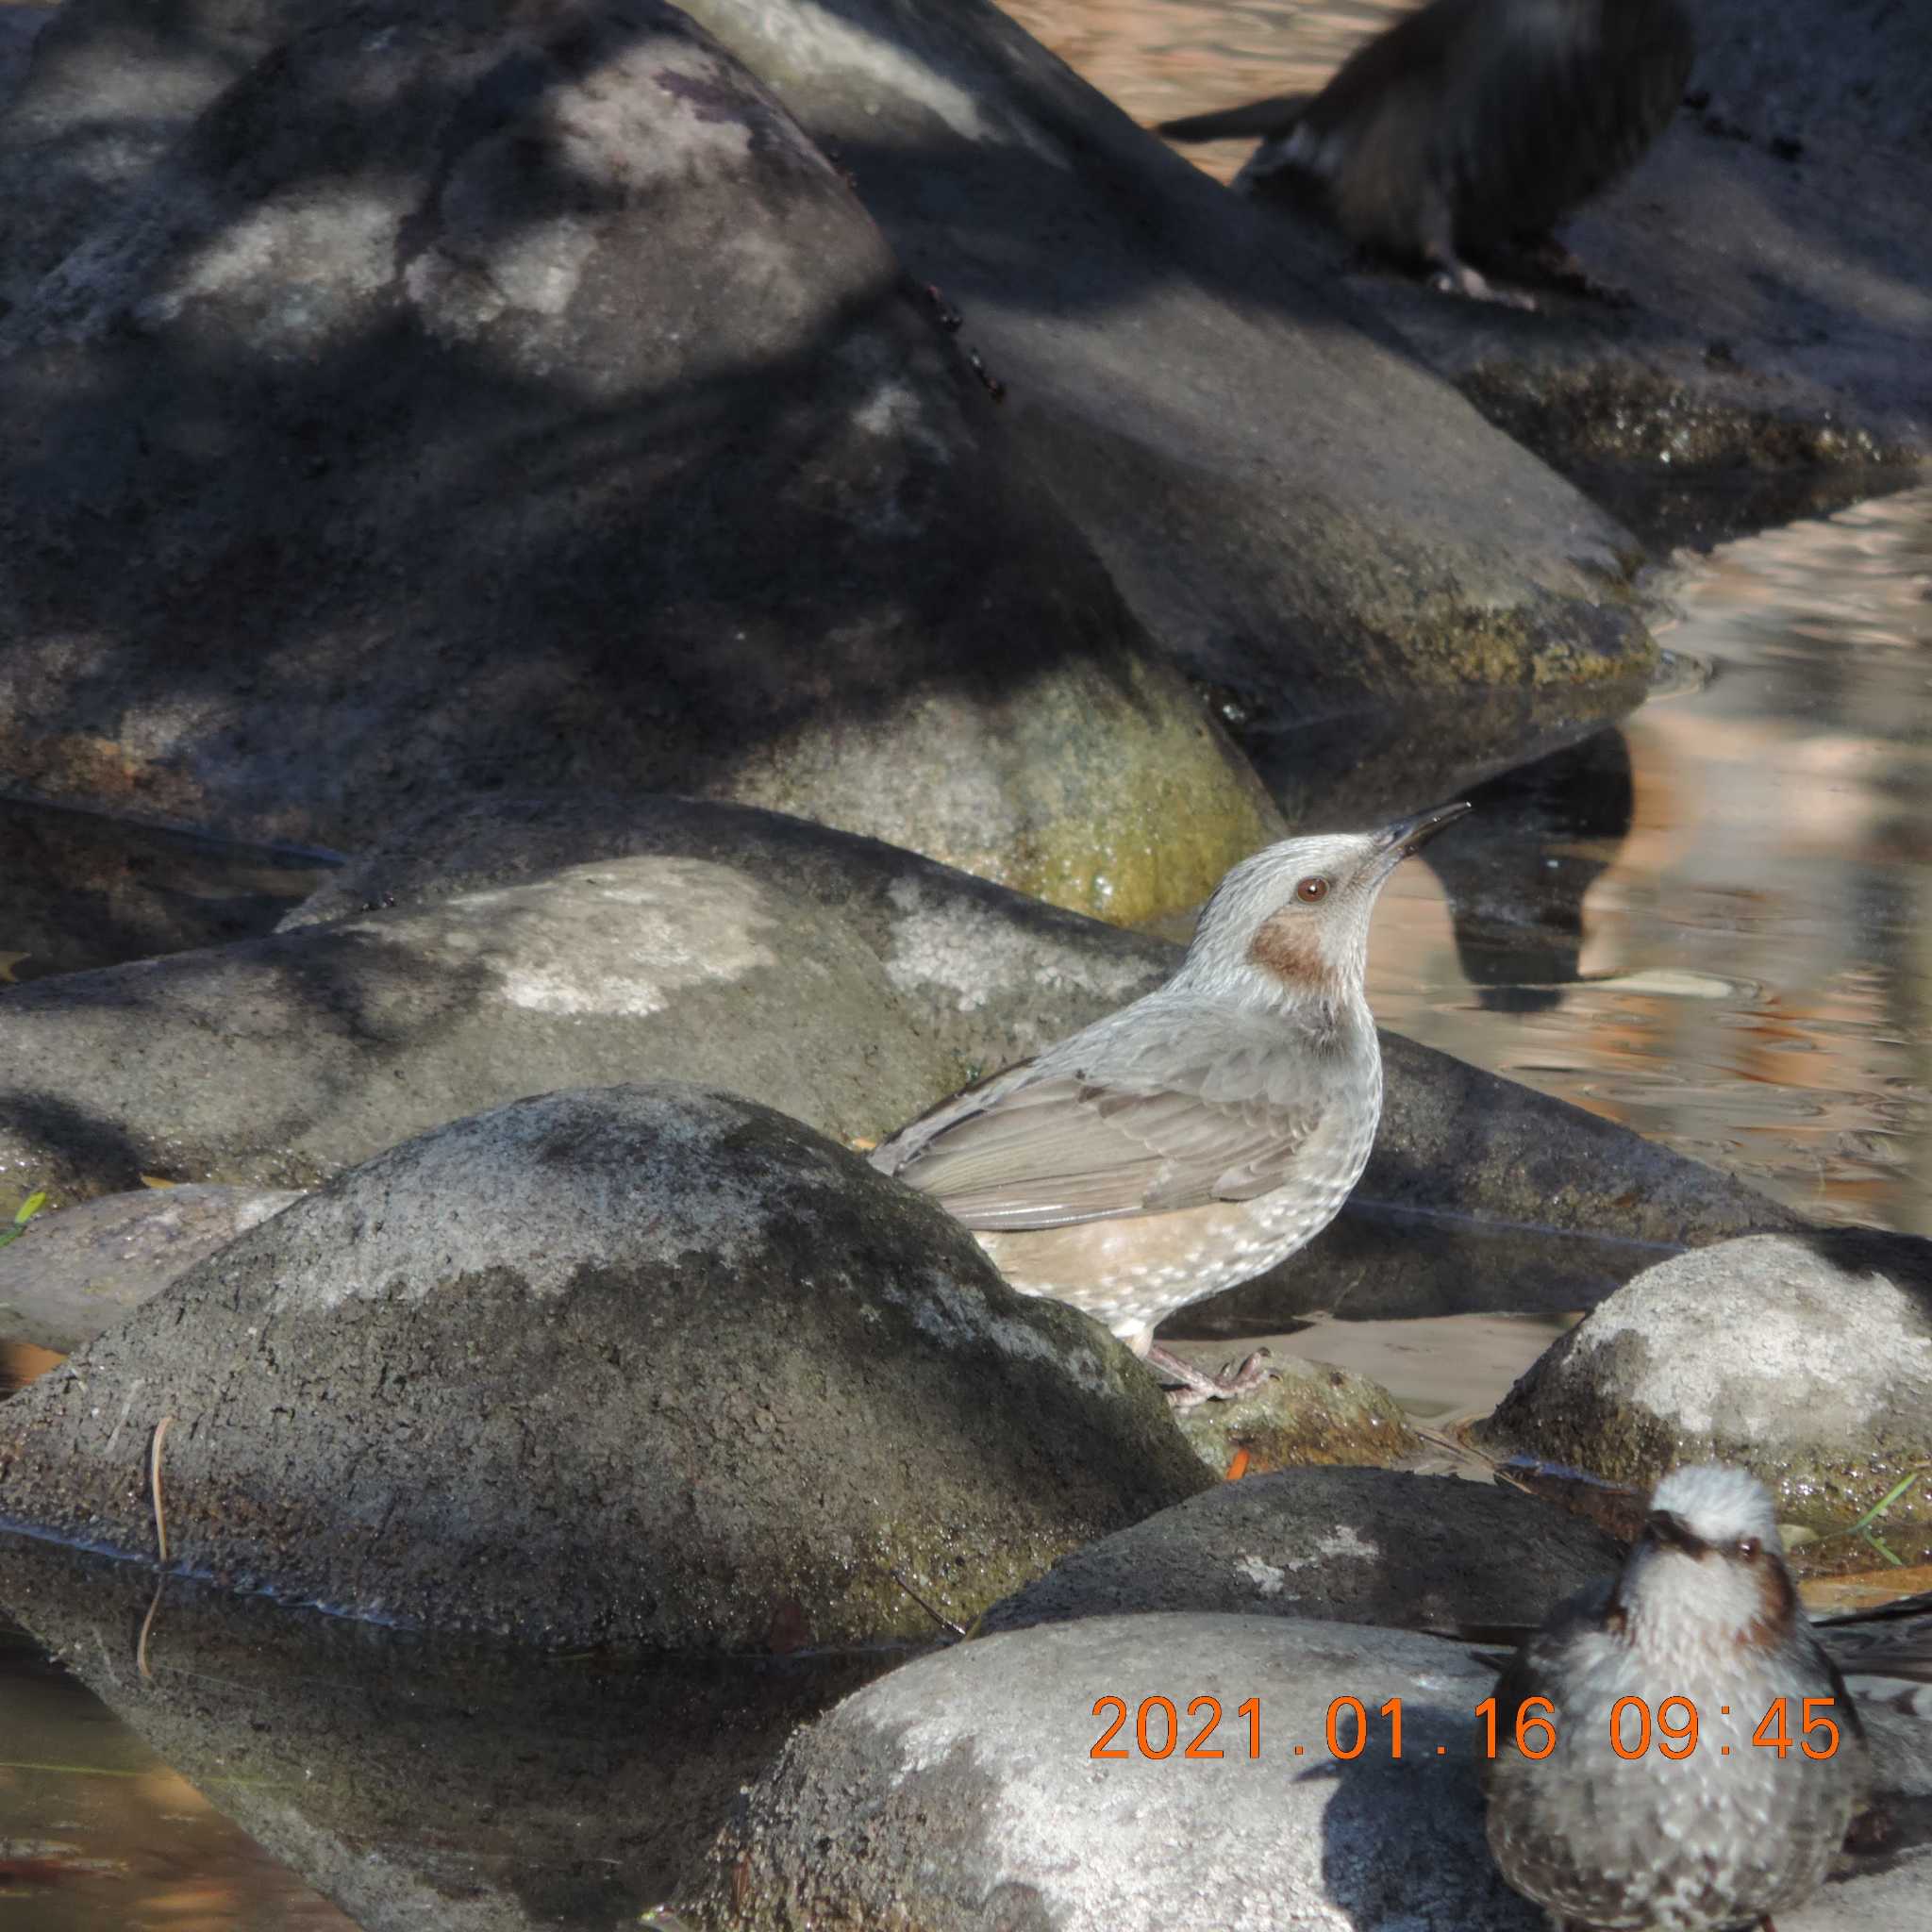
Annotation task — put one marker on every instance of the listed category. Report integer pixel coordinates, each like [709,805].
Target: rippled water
[1712,924]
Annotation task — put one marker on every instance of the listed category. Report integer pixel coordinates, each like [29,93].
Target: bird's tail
[1275,115]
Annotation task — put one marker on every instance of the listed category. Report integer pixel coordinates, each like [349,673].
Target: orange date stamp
[1672,1729]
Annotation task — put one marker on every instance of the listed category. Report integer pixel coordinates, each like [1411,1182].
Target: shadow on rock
[410,429]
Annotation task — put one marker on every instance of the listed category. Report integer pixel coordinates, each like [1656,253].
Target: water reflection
[1711,925]
[1517,877]
[422,1783]
[95,1831]
[86,890]
[1162,58]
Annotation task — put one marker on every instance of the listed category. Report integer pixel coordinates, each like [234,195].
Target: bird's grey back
[1173,1102]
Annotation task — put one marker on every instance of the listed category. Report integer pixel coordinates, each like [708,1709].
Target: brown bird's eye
[1312,890]
[1748,1548]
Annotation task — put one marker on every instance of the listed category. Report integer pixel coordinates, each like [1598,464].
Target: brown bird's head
[1293,922]
[1709,1568]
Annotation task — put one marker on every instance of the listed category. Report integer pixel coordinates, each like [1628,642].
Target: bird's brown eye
[1310,891]
[1748,1548]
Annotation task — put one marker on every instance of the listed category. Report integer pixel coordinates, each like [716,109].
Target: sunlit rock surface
[1806,1357]
[74,1273]
[963,1792]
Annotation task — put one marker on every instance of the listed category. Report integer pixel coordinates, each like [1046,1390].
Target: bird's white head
[1709,1568]
[1292,923]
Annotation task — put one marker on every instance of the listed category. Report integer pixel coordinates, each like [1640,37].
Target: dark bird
[1471,127]
[1201,1135]
[1746,1757]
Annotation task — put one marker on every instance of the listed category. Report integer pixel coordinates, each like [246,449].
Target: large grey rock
[73,1274]
[407,427]
[960,1794]
[568,1792]
[1356,1545]
[632,1363]
[1806,1358]
[1296,510]
[988,974]
[340,1041]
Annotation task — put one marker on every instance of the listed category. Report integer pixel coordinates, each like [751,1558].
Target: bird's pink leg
[1454,276]
[1197,1385]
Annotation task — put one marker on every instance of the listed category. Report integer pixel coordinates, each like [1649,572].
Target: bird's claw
[1197,1385]
[1471,283]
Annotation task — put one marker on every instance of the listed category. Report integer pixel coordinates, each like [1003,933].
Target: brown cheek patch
[1285,947]
[1778,1602]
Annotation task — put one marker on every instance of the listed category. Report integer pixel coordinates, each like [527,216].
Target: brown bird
[1471,125]
[1199,1136]
[1636,1779]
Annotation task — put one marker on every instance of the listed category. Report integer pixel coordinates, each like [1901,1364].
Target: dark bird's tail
[1275,115]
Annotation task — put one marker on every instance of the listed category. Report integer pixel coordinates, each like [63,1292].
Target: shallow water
[1710,924]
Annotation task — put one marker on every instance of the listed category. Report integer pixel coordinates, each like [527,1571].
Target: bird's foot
[1458,279]
[1198,1386]
[1549,259]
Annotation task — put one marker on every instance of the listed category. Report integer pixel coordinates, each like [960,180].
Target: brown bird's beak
[1410,835]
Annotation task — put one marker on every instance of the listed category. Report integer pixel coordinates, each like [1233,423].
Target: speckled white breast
[1132,1273]
[1716,1839]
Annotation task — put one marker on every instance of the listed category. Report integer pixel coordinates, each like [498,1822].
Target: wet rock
[1308,1412]
[85,889]
[573,1790]
[77,1272]
[1368,763]
[403,431]
[639,1364]
[1482,1198]
[1806,1358]
[1299,514]
[1357,1545]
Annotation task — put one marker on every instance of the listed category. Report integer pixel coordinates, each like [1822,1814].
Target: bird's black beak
[1410,835]
[1667,1532]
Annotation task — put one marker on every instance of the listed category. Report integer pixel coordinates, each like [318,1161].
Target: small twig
[946,1624]
[154,1482]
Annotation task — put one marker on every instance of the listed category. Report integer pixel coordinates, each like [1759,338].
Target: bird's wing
[1202,1107]
[1533,1670]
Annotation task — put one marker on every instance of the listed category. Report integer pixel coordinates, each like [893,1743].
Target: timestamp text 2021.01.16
[1672,1728]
